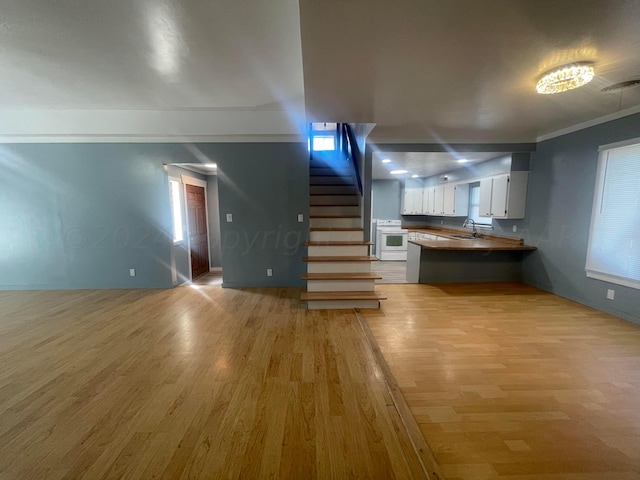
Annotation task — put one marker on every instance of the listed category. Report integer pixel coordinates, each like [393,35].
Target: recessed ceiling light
[414,176]
[566,77]
[463,160]
[399,172]
[211,165]
[386,160]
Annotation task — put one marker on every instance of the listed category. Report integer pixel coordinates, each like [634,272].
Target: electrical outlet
[229,218]
[441,222]
[132,272]
[269,272]
[515,228]
[611,294]
[300,217]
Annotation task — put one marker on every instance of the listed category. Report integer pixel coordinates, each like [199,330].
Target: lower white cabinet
[504,196]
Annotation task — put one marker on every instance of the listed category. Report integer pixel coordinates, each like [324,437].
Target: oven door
[393,241]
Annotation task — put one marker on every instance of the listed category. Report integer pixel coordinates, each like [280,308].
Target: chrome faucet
[473,224]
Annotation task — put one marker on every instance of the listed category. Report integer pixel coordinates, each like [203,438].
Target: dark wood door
[198,238]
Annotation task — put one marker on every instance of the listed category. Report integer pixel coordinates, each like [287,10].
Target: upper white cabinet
[504,196]
[446,200]
[412,204]
[428,200]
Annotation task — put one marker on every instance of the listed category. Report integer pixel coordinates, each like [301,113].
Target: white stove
[391,240]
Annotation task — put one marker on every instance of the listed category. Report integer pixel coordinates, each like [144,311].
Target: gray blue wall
[264,186]
[80,216]
[559,201]
[386,199]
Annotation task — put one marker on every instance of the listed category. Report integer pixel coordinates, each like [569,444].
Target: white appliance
[391,240]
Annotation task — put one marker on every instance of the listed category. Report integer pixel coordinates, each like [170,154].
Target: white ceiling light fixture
[414,176]
[386,160]
[463,160]
[399,172]
[211,165]
[566,77]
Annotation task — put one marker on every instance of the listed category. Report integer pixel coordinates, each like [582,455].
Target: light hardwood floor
[509,382]
[390,271]
[194,382]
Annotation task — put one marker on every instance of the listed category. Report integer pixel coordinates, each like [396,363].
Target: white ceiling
[423,71]
[464,70]
[424,164]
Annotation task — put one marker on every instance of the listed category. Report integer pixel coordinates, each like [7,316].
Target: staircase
[338,262]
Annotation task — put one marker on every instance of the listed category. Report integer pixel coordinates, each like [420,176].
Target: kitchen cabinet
[448,200]
[429,201]
[504,196]
[412,204]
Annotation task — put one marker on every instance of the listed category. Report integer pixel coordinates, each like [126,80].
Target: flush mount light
[414,176]
[386,160]
[399,172]
[463,160]
[566,78]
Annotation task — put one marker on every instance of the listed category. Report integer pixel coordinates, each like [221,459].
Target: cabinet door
[431,193]
[417,201]
[406,203]
[426,204]
[486,187]
[439,200]
[499,196]
[449,207]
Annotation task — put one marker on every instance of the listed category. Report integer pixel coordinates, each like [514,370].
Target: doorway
[197,227]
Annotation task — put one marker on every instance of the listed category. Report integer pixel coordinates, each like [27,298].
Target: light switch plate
[300,217]
[611,294]
[269,272]
[229,217]
[515,228]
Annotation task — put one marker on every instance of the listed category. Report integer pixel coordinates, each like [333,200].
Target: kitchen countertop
[484,242]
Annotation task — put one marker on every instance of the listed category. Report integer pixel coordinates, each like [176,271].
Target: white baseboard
[215,269]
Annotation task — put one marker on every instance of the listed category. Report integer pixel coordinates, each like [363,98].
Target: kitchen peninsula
[436,255]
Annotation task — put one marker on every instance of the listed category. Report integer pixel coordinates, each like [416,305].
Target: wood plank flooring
[194,382]
[508,382]
[390,271]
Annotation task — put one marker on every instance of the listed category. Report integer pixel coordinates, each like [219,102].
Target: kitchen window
[474,205]
[613,254]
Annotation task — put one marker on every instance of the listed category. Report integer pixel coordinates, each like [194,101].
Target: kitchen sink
[465,237]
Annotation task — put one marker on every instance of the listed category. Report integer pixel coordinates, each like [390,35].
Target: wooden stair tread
[346,258]
[311,296]
[341,276]
[336,243]
[336,229]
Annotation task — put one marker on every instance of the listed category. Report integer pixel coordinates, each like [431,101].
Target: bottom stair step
[316,296]
[341,276]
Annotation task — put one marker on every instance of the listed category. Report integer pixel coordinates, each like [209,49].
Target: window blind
[613,253]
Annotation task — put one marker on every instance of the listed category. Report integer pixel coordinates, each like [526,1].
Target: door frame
[187,180]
